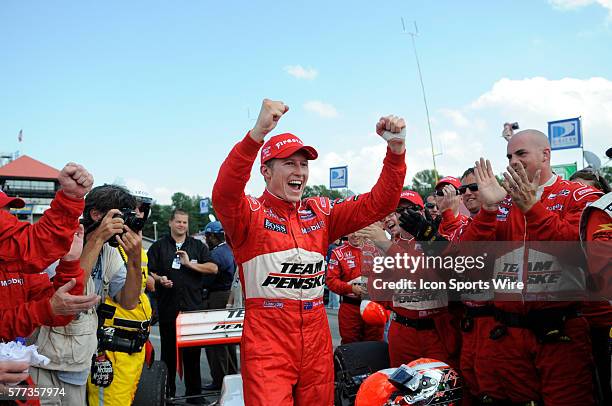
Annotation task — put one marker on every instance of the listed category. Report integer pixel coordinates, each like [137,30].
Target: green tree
[606,172]
[321,190]
[161,214]
[424,182]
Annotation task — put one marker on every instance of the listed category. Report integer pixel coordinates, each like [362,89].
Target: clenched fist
[271,111]
[75,181]
[394,125]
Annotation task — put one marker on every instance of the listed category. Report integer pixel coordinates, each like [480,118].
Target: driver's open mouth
[295,185]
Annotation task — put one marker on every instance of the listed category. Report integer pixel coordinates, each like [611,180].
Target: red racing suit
[596,237]
[280,247]
[24,299]
[30,248]
[515,365]
[344,270]
[421,325]
[477,304]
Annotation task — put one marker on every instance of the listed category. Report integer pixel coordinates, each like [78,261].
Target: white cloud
[574,4]
[465,133]
[364,165]
[323,109]
[161,194]
[298,71]
[457,117]
[532,102]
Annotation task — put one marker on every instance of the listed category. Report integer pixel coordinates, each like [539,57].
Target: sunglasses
[472,186]
[413,207]
[430,205]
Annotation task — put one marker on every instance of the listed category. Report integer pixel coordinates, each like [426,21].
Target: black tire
[353,363]
[151,389]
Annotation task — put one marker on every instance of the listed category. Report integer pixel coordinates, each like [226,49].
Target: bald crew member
[531,351]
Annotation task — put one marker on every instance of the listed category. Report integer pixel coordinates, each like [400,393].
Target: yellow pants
[126,374]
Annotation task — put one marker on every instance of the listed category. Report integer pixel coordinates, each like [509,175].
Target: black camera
[130,219]
[439,192]
[121,340]
[515,126]
[118,339]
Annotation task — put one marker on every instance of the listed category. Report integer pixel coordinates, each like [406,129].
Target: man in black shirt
[181,267]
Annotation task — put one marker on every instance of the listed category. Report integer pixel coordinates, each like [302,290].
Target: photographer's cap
[285,145]
[214,227]
[413,197]
[448,180]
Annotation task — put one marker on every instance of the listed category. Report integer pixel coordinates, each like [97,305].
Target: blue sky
[156,93]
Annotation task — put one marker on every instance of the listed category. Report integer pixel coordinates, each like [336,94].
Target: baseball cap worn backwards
[285,145]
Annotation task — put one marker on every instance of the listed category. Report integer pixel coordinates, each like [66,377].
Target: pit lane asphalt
[332,317]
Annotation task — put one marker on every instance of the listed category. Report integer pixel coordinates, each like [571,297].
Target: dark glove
[422,228]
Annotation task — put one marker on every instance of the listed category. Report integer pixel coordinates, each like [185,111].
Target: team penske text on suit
[518,349]
[280,248]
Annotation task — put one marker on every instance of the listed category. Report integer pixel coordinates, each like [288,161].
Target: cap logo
[287,141]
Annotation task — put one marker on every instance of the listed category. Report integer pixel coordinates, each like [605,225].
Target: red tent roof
[26,167]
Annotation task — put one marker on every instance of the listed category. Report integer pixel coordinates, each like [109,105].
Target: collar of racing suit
[546,184]
[280,205]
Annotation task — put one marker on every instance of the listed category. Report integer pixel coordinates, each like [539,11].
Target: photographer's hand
[131,242]
[109,226]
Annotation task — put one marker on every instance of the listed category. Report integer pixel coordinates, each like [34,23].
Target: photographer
[108,212]
[125,333]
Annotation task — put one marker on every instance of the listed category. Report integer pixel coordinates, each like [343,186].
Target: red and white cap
[12,202]
[285,145]
[413,197]
[449,180]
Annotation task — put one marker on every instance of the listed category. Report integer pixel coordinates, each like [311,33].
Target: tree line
[423,183]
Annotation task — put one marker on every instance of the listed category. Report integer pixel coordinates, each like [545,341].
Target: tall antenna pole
[412,35]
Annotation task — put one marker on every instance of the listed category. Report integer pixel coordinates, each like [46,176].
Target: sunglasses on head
[472,186]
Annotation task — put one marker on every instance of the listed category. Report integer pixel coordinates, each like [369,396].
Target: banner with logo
[565,134]
[338,177]
[204,206]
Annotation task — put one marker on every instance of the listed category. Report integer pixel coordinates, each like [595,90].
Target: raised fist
[393,125]
[271,111]
[75,181]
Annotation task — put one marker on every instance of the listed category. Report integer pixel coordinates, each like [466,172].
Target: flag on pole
[20,136]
